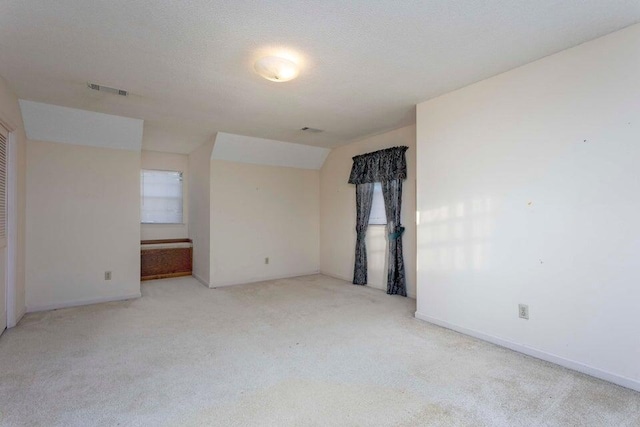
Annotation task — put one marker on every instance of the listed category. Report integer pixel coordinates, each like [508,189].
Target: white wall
[169,162]
[83,216]
[260,211]
[529,192]
[11,117]
[338,213]
[199,210]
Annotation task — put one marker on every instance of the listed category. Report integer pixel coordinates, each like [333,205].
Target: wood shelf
[161,263]
[164,241]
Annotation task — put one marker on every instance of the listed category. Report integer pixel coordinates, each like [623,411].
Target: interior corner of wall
[324,161]
[212,144]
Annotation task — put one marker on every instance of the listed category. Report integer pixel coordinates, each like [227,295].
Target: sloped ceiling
[365,64]
[260,151]
[53,123]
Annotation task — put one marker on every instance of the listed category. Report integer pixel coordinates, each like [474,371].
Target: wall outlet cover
[523,311]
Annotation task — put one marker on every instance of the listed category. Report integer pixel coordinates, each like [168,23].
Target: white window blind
[3,185]
[378,215]
[161,197]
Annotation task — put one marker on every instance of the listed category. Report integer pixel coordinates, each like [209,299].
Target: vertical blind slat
[3,185]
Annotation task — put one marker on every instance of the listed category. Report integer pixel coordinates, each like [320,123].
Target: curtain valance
[379,166]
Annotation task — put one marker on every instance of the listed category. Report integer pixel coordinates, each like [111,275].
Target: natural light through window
[377,216]
[161,197]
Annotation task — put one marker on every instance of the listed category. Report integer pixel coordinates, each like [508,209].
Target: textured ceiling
[365,64]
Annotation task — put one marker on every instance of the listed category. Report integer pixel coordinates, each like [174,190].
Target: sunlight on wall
[456,236]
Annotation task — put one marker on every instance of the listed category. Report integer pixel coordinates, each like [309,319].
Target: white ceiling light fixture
[277,69]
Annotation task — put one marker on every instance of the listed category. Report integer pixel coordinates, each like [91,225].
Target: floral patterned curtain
[392,193]
[389,167]
[379,166]
[364,197]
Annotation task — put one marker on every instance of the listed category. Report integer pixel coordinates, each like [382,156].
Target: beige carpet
[310,351]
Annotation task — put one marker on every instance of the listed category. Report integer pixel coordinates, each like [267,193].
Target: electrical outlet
[107,275]
[523,311]
[266,260]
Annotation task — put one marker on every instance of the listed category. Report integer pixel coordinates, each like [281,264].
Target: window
[161,197]
[378,215]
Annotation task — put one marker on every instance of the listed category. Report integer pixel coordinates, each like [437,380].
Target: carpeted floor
[309,351]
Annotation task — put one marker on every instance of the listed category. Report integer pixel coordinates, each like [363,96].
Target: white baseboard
[77,303]
[336,276]
[263,279]
[350,280]
[201,280]
[538,354]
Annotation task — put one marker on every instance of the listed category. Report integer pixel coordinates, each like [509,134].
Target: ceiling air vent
[107,89]
[310,130]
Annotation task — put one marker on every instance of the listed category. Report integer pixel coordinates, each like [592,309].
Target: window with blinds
[3,185]
[161,197]
[377,216]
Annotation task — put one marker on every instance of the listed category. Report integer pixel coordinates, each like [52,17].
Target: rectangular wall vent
[310,130]
[107,89]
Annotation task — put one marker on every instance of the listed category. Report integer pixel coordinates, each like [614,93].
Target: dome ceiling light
[277,69]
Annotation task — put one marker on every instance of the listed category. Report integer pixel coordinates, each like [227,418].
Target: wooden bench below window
[160,259]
